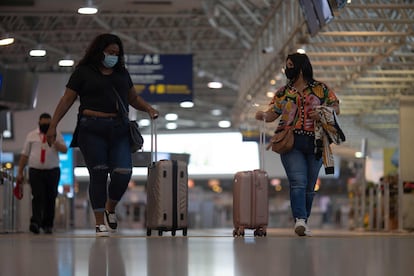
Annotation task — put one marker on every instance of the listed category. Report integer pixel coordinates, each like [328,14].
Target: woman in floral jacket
[295,103]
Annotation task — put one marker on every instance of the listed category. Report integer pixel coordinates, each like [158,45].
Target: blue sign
[162,78]
[66,164]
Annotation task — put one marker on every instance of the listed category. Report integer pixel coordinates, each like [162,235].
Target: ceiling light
[6,41]
[359,154]
[171,117]
[144,122]
[301,51]
[270,94]
[171,126]
[187,104]
[87,10]
[216,112]
[66,62]
[224,124]
[37,53]
[215,85]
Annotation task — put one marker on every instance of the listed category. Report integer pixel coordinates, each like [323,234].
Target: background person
[295,103]
[44,173]
[102,132]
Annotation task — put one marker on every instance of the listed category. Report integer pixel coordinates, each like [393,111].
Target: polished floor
[208,253]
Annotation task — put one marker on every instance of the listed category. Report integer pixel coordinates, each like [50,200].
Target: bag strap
[123,107]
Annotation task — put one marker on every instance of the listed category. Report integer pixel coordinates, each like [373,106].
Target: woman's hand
[51,136]
[260,115]
[267,116]
[153,113]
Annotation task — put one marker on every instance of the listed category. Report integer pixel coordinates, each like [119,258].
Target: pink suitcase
[250,202]
[250,198]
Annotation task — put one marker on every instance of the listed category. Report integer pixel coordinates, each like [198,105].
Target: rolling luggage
[250,198]
[167,193]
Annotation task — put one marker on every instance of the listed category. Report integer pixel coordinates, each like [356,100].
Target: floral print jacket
[293,107]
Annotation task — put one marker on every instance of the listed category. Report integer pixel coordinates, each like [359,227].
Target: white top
[33,147]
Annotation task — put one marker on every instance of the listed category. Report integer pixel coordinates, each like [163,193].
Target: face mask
[291,73]
[109,61]
[43,128]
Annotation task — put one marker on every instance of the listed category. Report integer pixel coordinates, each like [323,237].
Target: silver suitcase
[167,195]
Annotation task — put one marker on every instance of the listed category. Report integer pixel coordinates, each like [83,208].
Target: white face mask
[109,60]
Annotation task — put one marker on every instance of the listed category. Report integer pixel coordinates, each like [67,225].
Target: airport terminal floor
[208,252]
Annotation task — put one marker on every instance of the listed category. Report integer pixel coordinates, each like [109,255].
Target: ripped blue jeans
[302,170]
[104,143]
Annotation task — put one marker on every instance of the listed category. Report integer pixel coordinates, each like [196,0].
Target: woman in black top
[103,134]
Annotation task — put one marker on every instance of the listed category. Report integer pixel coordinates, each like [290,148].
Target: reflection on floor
[208,252]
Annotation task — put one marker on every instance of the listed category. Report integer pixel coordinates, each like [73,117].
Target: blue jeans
[104,143]
[302,170]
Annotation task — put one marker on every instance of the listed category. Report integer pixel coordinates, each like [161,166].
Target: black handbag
[136,141]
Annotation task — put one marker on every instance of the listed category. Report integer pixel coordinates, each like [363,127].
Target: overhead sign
[162,78]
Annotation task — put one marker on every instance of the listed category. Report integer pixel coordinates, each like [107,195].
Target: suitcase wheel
[185,232]
[260,232]
[238,232]
[148,231]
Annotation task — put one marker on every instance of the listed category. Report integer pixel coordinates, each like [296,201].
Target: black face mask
[292,73]
[43,128]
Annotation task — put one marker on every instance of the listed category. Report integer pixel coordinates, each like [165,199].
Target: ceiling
[366,53]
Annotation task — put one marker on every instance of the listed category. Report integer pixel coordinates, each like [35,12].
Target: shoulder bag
[282,141]
[136,140]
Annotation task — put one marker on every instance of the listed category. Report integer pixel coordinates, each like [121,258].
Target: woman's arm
[63,106]
[138,103]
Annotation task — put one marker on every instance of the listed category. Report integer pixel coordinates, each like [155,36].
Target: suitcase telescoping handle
[262,144]
[154,149]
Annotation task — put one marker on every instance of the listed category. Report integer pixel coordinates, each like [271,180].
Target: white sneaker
[111,221]
[102,231]
[300,227]
[308,232]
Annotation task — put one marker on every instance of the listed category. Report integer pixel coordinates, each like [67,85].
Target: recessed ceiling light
[6,41]
[171,126]
[171,117]
[224,124]
[216,112]
[144,122]
[215,85]
[187,104]
[37,53]
[87,10]
[66,62]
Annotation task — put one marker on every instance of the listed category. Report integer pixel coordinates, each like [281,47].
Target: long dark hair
[302,62]
[94,53]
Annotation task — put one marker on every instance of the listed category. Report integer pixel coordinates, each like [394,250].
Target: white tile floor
[208,252]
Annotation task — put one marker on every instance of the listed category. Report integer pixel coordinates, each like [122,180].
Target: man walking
[44,174]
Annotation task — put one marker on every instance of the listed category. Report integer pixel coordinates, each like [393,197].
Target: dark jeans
[44,185]
[302,170]
[104,143]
